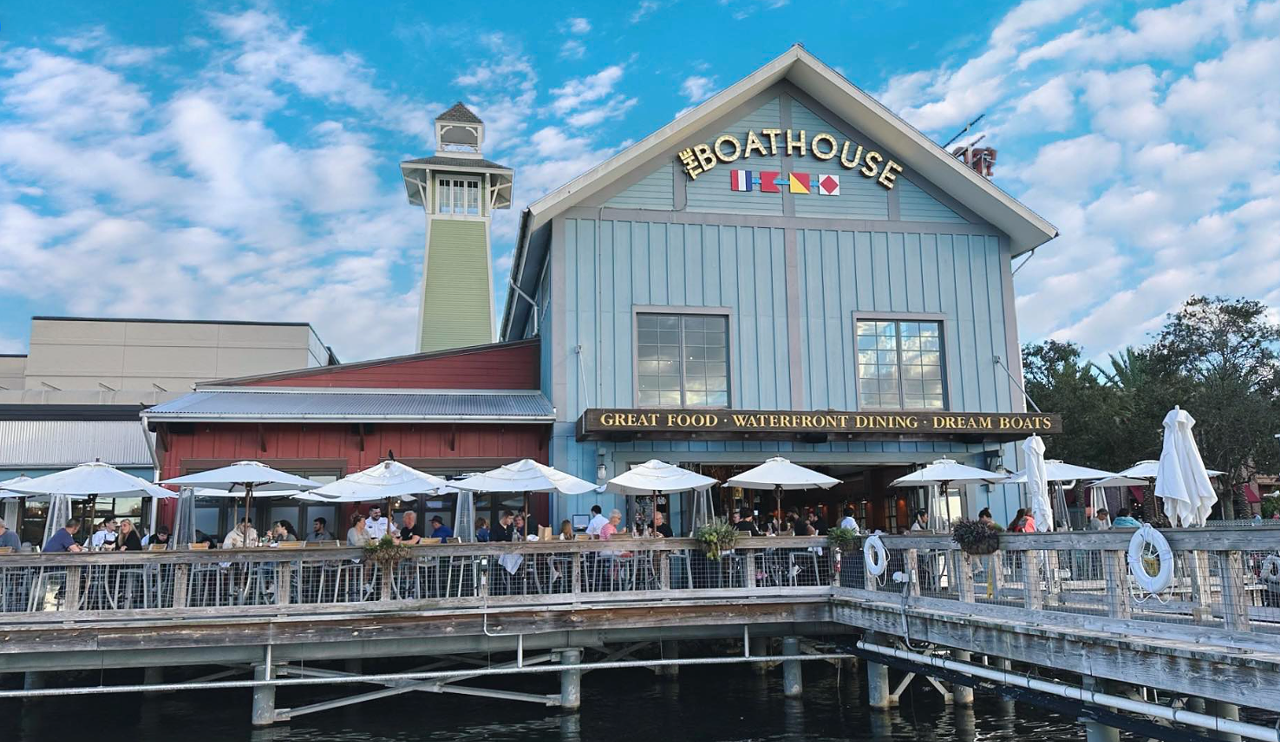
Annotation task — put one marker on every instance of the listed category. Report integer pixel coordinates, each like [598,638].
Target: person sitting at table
[597,522]
[9,539]
[566,530]
[64,539]
[411,533]
[241,536]
[504,530]
[519,532]
[161,537]
[356,534]
[105,536]
[611,529]
[439,530]
[319,531]
[482,530]
[747,523]
[128,539]
[280,532]
[1125,519]
[660,527]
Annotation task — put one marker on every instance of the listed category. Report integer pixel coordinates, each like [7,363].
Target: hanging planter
[846,540]
[976,537]
[386,553]
[716,537]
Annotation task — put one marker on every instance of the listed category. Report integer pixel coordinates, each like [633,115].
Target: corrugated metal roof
[283,405]
[59,443]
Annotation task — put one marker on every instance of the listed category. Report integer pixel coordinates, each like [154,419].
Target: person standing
[376,525]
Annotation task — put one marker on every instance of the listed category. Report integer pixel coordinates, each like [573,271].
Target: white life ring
[875,555]
[1137,548]
[1270,571]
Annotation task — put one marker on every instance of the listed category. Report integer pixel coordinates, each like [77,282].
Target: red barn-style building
[447,412]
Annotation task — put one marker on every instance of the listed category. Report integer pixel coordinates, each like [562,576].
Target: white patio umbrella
[385,480]
[780,474]
[1038,483]
[1148,469]
[10,512]
[1058,471]
[1095,488]
[655,477]
[525,475]
[1181,479]
[945,472]
[81,482]
[244,477]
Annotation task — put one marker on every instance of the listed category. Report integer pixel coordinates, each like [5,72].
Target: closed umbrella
[11,503]
[1181,479]
[780,474]
[655,477]
[946,472]
[244,477]
[1038,483]
[525,475]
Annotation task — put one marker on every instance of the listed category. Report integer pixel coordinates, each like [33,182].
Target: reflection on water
[726,703]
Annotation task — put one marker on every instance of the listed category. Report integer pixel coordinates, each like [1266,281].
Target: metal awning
[37,445]
[355,405]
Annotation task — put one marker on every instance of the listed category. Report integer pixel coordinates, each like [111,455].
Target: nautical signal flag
[766,181]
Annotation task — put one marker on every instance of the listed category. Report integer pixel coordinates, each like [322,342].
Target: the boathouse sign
[613,423]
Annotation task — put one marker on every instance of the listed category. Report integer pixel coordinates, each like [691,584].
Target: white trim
[454,180]
[329,417]
[362,390]
[1026,229]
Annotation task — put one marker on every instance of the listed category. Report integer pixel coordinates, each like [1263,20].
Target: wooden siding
[710,192]
[860,197]
[456,309]
[955,276]
[654,191]
[914,205]
[505,366]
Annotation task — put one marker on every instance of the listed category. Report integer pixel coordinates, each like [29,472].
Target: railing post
[1033,597]
[664,569]
[995,574]
[750,578]
[577,574]
[181,584]
[1201,587]
[964,576]
[284,579]
[910,565]
[868,578]
[1235,601]
[1115,565]
[1052,581]
[72,593]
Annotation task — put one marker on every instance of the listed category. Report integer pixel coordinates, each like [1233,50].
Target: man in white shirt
[106,536]
[598,521]
[375,525]
[847,521]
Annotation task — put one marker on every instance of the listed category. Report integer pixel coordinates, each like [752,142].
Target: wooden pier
[1061,603]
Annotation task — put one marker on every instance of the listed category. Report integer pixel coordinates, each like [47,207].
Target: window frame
[725,312]
[898,318]
[456,200]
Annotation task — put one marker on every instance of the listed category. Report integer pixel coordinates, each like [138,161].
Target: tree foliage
[1217,358]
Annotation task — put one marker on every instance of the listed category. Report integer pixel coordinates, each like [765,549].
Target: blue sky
[239,161]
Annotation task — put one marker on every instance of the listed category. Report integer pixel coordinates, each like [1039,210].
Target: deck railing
[1220,576]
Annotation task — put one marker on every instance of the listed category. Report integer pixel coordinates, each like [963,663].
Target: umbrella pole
[248,502]
[946,498]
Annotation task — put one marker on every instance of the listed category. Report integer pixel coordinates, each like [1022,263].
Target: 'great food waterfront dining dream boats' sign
[596,424]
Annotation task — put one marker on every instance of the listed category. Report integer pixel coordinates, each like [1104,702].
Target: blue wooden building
[786,248]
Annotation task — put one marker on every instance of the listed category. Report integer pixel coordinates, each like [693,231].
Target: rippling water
[722,704]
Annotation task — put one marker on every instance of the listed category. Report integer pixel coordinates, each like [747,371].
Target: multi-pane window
[458,196]
[900,365]
[682,360]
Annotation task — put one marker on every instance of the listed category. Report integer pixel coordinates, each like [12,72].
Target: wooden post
[664,570]
[995,574]
[964,578]
[284,578]
[72,593]
[870,578]
[1053,582]
[181,584]
[751,570]
[577,574]
[1033,597]
[1235,601]
[911,562]
[1201,587]
[1115,567]
[386,583]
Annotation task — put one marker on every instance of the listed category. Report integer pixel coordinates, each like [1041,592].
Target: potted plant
[844,539]
[386,553]
[976,537]
[716,537]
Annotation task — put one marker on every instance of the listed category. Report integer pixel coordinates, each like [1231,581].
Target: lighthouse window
[458,196]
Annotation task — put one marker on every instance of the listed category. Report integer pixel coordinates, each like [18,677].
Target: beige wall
[134,357]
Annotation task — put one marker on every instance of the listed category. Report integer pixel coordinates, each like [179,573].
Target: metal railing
[227,582]
[1221,577]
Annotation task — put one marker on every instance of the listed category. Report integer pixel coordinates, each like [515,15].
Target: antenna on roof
[979,160]
[962,132]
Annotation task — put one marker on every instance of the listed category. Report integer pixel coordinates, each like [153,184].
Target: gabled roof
[1026,229]
[460,114]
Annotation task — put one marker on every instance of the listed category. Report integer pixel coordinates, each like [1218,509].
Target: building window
[682,360]
[458,196]
[900,365]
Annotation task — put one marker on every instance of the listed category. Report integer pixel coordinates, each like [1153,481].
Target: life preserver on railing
[876,556]
[1147,535]
[1270,571]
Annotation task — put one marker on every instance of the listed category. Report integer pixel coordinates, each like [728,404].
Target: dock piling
[877,680]
[962,695]
[264,697]
[571,679]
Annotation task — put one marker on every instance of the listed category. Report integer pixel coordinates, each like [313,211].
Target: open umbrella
[243,477]
[1057,472]
[945,472]
[525,475]
[83,481]
[385,480]
[10,513]
[655,477]
[780,474]
[1181,479]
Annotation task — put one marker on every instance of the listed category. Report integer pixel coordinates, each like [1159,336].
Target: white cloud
[577,26]
[645,9]
[573,49]
[1051,106]
[698,88]
[591,100]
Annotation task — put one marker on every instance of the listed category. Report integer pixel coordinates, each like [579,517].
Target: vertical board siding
[957,276]
[654,191]
[914,205]
[860,197]
[710,191]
